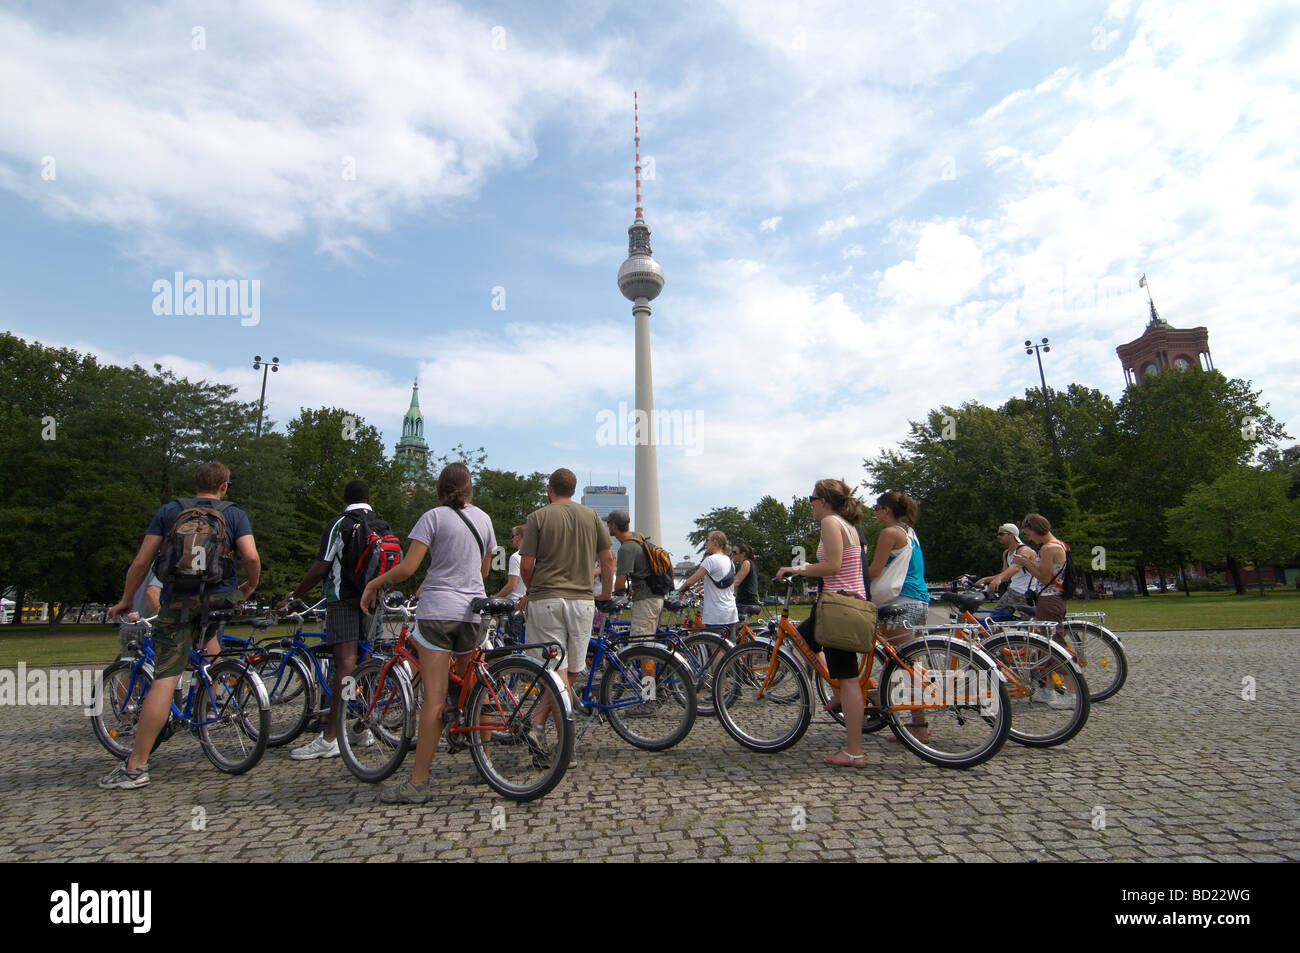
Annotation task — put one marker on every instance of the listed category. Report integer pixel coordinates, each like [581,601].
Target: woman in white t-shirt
[719,609]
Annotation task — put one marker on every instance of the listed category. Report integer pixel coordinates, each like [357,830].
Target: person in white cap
[1014,597]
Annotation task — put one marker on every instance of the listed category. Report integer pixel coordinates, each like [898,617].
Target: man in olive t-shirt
[561,543]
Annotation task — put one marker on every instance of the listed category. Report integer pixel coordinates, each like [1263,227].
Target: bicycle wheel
[233,716]
[772,721]
[1100,655]
[289,689]
[519,757]
[116,706]
[704,650]
[961,695]
[381,704]
[1048,696]
[873,719]
[651,695]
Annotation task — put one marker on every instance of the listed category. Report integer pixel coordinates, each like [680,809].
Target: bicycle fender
[1057,651]
[974,648]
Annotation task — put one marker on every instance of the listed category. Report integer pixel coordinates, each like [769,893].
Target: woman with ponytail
[840,554]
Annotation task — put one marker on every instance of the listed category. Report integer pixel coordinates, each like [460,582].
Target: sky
[862,210]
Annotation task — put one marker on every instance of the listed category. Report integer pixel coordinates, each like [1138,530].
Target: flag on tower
[1142,282]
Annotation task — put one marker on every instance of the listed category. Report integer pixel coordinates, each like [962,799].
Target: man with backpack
[642,576]
[190,544]
[355,547]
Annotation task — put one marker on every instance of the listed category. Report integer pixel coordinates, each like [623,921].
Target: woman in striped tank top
[839,569]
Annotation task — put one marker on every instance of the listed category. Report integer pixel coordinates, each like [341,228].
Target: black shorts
[840,663]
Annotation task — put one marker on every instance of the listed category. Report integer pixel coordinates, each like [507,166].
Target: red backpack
[369,551]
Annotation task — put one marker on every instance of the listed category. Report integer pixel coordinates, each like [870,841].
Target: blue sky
[862,209]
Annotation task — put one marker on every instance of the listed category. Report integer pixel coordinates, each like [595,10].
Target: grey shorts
[437,635]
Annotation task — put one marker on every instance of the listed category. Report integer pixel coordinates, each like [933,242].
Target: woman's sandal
[913,726]
[838,759]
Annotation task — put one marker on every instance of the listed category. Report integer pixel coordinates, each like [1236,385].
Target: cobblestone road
[1183,767]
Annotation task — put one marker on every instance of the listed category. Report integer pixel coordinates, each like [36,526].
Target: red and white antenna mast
[636,129]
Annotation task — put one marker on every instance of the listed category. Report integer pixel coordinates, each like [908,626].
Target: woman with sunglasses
[838,568]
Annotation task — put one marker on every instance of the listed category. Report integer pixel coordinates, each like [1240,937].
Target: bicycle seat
[491,606]
[966,601]
[613,606]
[748,610]
[773,601]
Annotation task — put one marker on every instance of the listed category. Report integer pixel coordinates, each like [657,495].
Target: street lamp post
[264,366]
[1038,350]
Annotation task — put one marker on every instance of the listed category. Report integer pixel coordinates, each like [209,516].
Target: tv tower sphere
[640,276]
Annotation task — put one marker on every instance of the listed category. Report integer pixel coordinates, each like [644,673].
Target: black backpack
[369,549]
[196,552]
[1071,578]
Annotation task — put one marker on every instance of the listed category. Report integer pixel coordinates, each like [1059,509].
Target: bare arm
[832,553]
[606,558]
[318,571]
[891,538]
[527,564]
[741,573]
[135,575]
[252,563]
[509,587]
[403,571]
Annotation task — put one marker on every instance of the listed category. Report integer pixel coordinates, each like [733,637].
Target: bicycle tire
[1032,662]
[235,703]
[383,704]
[115,723]
[519,758]
[873,719]
[773,722]
[704,650]
[655,712]
[1100,655]
[964,729]
[289,689]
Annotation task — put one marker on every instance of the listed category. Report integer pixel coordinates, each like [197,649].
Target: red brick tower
[1162,347]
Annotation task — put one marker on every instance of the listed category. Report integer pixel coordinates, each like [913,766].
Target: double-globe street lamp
[264,367]
[1038,350]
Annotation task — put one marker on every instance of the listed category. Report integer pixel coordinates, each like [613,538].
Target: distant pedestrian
[718,572]
[1016,577]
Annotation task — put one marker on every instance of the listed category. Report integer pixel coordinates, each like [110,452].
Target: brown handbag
[845,622]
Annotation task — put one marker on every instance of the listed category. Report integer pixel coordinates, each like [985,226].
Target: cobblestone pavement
[1183,767]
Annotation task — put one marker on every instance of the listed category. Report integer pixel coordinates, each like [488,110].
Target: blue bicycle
[221,701]
[646,691]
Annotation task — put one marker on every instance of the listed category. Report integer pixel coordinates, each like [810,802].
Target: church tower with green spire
[412,450]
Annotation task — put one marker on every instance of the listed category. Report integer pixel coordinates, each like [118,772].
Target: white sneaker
[1044,696]
[363,739]
[1062,700]
[319,748]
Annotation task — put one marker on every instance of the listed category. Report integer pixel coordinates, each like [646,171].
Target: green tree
[970,469]
[1173,432]
[1244,513]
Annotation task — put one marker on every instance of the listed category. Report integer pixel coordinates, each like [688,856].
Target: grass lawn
[97,644]
[33,644]
[1203,610]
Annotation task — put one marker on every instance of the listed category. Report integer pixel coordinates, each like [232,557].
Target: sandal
[853,760]
[913,726]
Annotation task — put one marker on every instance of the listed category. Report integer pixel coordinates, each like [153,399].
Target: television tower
[641,279]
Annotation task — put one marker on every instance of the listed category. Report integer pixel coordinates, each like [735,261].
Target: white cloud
[770,224]
[308,117]
[834,228]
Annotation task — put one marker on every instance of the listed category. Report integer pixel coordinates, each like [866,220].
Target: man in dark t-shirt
[344,620]
[179,616]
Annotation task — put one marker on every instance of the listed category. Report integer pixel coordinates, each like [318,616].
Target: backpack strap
[477,538]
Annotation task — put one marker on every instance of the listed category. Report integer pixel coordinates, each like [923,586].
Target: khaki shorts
[567,621]
[173,639]
[645,615]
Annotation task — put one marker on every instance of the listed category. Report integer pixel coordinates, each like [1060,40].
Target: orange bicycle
[764,700]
